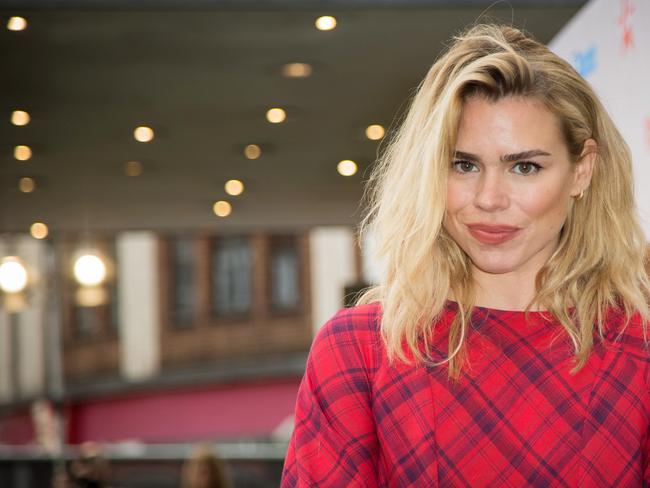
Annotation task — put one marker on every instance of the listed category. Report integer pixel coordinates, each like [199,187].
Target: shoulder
[628,334]
[617,323]
[361,321]
[351,334]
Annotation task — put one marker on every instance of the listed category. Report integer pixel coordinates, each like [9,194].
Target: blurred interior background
[180,187]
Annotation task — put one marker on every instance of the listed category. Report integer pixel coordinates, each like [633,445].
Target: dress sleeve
[646,460]
[646,446]
[334,442]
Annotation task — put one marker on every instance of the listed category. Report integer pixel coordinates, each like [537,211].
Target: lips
[493,234]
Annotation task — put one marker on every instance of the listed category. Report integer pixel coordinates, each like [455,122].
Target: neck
[507,291]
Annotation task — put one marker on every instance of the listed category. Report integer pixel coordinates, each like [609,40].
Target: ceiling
[202,74]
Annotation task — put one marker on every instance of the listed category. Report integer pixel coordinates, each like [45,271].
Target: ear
[584,168]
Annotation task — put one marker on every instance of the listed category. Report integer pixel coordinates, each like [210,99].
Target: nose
[492,192]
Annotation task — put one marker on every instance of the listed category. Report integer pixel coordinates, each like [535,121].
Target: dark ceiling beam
[30,5]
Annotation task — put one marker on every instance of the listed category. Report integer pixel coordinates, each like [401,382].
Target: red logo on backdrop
[624,20]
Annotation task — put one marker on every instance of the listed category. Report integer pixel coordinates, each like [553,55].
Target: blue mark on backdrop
[585,61]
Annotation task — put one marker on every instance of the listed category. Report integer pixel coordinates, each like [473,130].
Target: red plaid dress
[516,418]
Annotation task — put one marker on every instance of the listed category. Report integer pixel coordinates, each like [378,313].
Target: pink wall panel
[250,410]
[17,428]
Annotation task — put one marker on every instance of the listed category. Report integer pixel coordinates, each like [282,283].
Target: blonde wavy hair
[599,262]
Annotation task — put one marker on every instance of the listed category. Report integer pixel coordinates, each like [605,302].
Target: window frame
[279,241]
[220,318]
[168,300]
[107,313]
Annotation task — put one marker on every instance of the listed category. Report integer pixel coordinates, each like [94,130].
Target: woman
[505,344]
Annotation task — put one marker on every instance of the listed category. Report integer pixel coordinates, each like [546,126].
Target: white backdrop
[608,42]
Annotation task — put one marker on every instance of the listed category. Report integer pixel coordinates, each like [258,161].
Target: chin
[493,266]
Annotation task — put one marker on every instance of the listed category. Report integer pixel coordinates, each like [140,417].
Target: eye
[463,166]
[526,168]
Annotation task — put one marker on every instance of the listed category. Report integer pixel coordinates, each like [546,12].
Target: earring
[580,195]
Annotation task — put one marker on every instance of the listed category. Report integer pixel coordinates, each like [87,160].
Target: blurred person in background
[89,470]
[506,343]
[204,469]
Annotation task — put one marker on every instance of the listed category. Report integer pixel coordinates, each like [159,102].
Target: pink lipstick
[493,234]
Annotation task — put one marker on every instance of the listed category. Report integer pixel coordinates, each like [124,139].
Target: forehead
[509,124]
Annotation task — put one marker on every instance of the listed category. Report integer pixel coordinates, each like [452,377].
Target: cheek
[546,206]
[458,197]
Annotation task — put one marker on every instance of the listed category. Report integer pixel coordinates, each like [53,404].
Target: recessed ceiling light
[296,70]
[20,117]
[26,184]
[16,24]
[375,132]
[234,187]
[347,167]
[276,115]
[325,23]
[133,168]
[222,208]
[143,134]
[252,151]
[22,153]
[39,230]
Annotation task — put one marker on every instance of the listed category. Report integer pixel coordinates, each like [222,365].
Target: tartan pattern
[518,417]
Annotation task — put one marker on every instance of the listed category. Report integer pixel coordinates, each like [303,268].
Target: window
[284,274]
[231,284]
[182,296]
[93,311]
[88,322]
[90,318]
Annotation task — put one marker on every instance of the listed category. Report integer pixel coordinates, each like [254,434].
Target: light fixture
[252,151]
[296,70]
[22,153]
[347,167]
[143,134]
[38,230]
[26,184]
[234,187]
[16,24]
[91,296]
[325,23]
[20,117]
[276,115]
[13,275]
[375,132]
[222,208]
[133,168]
[89,270]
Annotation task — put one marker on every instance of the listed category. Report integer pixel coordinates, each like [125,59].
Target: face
[510,185]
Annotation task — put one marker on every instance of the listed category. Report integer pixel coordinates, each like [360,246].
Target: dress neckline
[453,306]
[508,322]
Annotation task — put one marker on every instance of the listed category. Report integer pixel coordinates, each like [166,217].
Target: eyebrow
[507,158]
